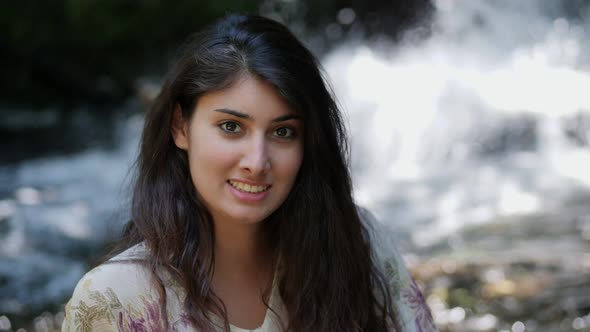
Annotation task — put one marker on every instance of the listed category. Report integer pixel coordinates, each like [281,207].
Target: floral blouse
[118,296]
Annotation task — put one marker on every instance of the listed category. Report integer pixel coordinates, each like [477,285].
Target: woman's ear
[179,129]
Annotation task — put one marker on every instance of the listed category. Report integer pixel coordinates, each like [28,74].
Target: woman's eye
[230,127]
[285,132]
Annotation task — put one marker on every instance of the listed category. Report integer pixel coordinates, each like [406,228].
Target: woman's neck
[243,273]
[242,251]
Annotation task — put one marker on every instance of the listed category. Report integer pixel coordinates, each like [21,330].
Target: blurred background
[470,127]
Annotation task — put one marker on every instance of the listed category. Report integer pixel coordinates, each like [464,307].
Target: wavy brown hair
[328,278]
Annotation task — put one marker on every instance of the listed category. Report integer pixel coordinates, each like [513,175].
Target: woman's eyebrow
[248,117]
[234,113]
[286,117]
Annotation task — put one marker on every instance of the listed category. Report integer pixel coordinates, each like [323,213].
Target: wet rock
[515,273]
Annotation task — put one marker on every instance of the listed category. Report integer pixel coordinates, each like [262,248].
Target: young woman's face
[245,147]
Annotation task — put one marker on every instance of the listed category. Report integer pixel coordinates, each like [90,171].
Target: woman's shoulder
[116,292]
[381,239]
[124,275]
[407,299]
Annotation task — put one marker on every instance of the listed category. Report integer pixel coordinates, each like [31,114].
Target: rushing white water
[474,122]
[60,213]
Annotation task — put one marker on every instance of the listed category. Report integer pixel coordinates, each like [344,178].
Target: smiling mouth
[248,188]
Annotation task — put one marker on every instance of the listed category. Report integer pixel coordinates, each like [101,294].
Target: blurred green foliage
[110,24]
[93,49]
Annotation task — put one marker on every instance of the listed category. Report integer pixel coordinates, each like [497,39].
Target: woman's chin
[248,217]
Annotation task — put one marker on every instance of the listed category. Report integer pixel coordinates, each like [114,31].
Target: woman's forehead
[248,96]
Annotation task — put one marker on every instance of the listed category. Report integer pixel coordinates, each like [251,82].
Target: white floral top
[118,296]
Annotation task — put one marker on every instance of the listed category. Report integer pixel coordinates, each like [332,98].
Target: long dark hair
[327,277]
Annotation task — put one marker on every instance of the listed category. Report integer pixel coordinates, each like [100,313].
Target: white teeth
[247,188]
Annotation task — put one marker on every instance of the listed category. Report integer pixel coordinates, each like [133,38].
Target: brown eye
[285,132]
[230,127]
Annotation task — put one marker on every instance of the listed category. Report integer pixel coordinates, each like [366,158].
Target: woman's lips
[248,192]
[248,187]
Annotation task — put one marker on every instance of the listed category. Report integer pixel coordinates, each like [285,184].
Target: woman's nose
[256,160]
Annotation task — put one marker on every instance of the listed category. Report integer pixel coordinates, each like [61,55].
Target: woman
[242,212]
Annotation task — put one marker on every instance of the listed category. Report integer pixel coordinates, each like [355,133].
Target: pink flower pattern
[151,322]
[415,301]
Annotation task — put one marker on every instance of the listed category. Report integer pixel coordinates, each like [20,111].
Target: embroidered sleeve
[91,309]
[112,298]
[409,304]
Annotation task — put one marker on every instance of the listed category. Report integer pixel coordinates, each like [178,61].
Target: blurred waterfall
[488,117]
[56,214]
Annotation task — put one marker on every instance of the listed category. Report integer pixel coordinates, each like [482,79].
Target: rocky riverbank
[529,274]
